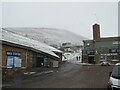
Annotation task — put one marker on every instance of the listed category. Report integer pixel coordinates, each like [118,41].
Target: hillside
[49,36]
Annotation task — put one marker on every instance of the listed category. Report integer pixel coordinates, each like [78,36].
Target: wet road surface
[69,76]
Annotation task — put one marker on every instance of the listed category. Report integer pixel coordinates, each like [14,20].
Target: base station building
[19,52]
[101,49]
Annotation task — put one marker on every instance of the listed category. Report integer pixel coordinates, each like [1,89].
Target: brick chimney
[96,31]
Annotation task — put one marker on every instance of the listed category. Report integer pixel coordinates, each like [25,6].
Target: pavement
[26,74]
[69,75]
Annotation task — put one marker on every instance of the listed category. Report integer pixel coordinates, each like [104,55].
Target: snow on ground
[71,57]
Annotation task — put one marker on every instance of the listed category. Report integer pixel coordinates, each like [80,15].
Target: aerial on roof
[24,41]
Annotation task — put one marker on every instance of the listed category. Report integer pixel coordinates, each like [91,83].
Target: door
[91,60]
[45,62]
[39,62]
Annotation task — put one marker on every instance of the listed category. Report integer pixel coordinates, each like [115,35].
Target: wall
[23,55]
[60,59]
[102,46]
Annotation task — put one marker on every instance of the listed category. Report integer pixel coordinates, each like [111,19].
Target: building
[101,49]
[20,52]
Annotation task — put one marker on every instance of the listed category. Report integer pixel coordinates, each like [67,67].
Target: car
[114,78]
[105,63]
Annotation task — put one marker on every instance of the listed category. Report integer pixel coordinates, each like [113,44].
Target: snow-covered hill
[49,36]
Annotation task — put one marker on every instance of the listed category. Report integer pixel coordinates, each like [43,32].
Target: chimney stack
[96,31]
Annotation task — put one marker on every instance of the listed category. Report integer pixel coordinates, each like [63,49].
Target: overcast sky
[77,17]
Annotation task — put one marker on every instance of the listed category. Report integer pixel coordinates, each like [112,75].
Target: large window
[112,50]
[13,61]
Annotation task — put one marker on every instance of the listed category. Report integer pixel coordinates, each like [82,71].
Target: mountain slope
[49,36]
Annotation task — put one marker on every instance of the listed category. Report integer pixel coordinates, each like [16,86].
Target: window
[118,50]
[114,57]
[102,57]
[112,50]
[13,61]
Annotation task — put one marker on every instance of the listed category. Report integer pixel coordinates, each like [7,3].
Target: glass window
[102,57]
[114,57]
[116,73]
[13,61]
[118,50]
[112,50]
[90,52]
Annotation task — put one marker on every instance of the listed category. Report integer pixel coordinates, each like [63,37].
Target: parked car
[105,63]
[114,78]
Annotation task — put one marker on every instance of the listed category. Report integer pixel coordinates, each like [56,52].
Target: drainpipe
[26,54]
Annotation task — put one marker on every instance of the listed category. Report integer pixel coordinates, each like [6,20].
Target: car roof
[117,64]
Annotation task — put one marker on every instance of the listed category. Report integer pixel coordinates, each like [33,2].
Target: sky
[77,17]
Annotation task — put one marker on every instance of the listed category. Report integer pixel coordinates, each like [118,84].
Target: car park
[114,78]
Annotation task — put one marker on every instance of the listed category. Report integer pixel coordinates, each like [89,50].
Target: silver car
[114,78]
[105,63]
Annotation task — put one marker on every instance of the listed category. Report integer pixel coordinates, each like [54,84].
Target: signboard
[17,61]
[10,53]
[90,52]
[10,60]
[116,42]
[110,54]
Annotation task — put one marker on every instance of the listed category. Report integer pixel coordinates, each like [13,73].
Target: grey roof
[27,42]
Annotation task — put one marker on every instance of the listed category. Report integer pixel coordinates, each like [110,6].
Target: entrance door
[45,62]
[39,62]
[91,60]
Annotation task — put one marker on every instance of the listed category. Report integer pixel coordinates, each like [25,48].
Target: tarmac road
[69,75]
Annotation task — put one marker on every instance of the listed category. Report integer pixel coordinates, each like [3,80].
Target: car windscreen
[116,72]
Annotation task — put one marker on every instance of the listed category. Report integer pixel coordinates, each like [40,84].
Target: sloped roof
[24,41]
[50,36]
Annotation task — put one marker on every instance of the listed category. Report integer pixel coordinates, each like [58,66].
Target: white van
[114,80]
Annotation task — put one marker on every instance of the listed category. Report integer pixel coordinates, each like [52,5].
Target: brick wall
[96,31]
[23,55]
